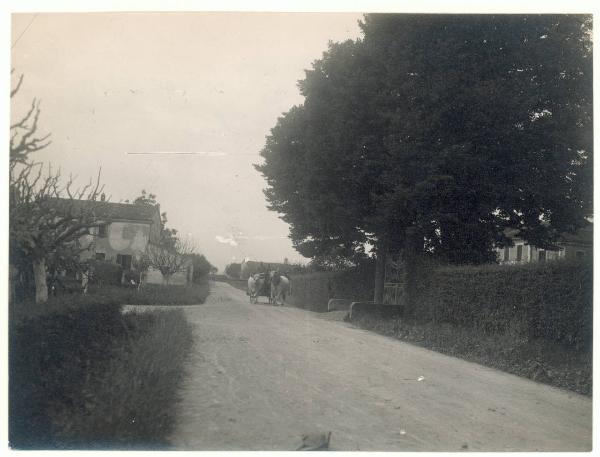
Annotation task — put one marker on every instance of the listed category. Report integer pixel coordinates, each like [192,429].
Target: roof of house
[584,235]
[109,210]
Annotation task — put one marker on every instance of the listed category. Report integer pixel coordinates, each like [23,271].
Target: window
[102,230]
[506,254]
[100,256]
[124,261]
[542,255]
[519,252]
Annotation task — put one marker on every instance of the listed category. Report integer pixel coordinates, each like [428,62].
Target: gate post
[380,262]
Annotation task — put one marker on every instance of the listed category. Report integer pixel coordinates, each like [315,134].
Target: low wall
[339,304]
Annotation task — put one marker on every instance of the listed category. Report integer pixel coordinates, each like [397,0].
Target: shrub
[131,404]
[551,300]
[92,378]
[50,356]
[104,272]
[153,294]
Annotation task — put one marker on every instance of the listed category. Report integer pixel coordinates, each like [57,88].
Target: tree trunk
[380,261]
[39,275]
[412,252]
[12,283]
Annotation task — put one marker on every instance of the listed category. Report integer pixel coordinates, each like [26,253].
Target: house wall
[529,253]
[572,250]
[532,254]
[123,237]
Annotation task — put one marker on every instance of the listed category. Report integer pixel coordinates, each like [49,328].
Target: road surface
[261,376]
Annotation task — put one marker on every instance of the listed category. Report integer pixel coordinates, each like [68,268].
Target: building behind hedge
[570,246]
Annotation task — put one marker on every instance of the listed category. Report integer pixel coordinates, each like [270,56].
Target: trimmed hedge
[150,294]
[50,358]
[312,291]
[94,378]
[154,294]
[550,301]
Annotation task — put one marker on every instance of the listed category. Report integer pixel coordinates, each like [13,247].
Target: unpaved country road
[261,376]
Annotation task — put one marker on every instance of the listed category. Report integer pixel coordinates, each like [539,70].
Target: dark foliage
[436,133]
[202,267]
[92,378]
[105,273]
[49,359]
[233,270]
[550,301]
[151,294]
[313,290]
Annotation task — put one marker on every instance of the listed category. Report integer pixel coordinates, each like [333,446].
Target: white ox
[280,287]
[256,283]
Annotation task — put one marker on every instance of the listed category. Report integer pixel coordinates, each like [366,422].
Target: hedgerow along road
[262,376]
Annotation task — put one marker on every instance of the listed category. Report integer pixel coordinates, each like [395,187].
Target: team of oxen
[273,285]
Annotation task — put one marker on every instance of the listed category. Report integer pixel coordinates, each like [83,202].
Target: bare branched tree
[170,260]
[46,217]
[24,137]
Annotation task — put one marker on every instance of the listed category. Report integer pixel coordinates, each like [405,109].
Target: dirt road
[261,376]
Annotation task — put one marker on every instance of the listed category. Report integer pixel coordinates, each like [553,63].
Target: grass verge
[511,352]
[93,378]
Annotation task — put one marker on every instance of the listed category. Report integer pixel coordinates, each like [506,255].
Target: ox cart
[266,291]
[260,289]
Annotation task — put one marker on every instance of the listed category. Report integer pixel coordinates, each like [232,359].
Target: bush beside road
[83,375]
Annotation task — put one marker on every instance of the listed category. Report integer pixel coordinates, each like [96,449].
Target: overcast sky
[116,85]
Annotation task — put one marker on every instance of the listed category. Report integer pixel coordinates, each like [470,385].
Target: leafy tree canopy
[233,270]
[202,267]
[168,236]
[437,133]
